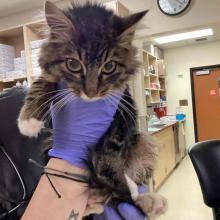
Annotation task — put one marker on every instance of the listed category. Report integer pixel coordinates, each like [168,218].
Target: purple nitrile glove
[78,126]
[125,211]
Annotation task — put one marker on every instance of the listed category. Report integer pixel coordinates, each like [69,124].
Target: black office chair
[205,157]
[18,178]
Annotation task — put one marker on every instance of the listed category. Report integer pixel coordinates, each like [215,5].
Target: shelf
[154,89]
[161,67]
[148,53]
[12,79]
[162,84]
[153,103]
[151,74]
[15,38]
[34,76]
[154,84]
[12,37]
[152,57]
[162,76]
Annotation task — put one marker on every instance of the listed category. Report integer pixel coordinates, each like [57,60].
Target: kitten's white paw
[152,204]
[94,209]
[30,127]
[159,207]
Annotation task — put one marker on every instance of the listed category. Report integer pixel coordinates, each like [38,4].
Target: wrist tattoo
[73,215]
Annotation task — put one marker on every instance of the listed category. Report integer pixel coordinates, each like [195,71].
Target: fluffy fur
[90,50]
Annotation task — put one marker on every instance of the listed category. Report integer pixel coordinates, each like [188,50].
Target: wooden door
[207,103]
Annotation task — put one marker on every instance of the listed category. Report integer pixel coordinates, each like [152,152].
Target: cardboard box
[37,43]
[36,71]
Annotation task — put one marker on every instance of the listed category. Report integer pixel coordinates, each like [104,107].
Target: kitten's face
[90,50]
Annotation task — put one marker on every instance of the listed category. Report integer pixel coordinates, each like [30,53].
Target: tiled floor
[184,195]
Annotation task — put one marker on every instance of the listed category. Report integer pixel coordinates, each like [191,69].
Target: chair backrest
[205,157]
[19,148]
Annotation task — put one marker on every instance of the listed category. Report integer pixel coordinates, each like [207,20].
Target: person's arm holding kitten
[76,128]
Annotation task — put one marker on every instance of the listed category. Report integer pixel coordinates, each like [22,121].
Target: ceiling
[201,14]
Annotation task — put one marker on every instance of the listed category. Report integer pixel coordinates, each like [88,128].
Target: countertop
[157,128]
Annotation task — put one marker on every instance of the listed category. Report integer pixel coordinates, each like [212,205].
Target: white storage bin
[37,43]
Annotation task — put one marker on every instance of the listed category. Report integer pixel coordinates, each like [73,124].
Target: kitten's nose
[91,85]
[91,92]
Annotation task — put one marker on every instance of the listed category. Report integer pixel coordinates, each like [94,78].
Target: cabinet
[166,156]
[13,37]
[154,78]
[32,32]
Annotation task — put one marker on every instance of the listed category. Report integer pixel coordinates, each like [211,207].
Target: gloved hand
[124,211]
[78,126]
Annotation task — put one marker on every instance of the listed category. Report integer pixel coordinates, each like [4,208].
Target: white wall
[179,61]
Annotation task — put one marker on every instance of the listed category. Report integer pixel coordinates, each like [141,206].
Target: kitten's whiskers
[44,105]
[109,98]
[125,108]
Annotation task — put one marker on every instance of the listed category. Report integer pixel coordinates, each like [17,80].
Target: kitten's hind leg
[30,120]
[152,204]
[96,202]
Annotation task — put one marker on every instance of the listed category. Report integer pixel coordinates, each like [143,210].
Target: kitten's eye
[109,67]
[73,65]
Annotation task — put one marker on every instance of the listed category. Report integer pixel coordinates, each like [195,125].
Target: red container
[160,111]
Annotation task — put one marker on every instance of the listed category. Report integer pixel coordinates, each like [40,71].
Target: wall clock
[173,7]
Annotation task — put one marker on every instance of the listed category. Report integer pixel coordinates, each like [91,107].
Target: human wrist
[64,166]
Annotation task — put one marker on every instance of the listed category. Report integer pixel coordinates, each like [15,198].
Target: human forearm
[46,205]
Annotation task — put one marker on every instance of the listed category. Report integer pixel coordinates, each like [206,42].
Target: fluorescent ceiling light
[184,36]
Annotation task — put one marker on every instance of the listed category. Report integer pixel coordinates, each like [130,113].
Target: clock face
[173,7]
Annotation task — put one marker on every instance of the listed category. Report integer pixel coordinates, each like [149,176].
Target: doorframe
[193,94]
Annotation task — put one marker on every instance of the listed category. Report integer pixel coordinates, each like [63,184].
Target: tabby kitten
[90,50]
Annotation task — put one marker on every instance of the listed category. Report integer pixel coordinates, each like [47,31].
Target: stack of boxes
[19,66]
[7,55]
[20,63]
[36,48]
[12,67]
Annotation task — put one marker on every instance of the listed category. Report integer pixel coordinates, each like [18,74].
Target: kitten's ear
[56,19]
[130,22]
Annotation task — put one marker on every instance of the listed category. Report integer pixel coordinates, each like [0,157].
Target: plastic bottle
[179,114]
